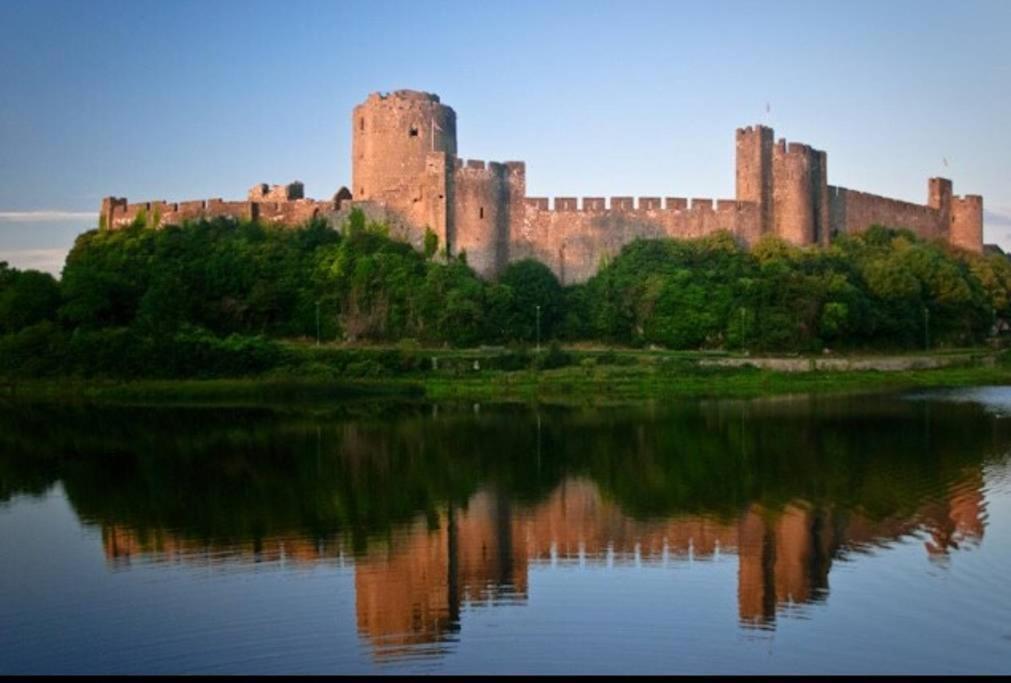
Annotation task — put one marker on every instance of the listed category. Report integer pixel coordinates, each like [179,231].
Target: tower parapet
[261,192]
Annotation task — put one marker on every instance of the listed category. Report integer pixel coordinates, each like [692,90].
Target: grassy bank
[572,376]
[624,384]
[234,392]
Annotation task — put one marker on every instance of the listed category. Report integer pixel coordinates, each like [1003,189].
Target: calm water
[788,535]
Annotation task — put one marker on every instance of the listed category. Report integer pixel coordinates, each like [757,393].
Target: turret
[960,217]
[800,193]
[403,151]
[967,223]
[754,174]
[107,213]
[939,197]
[392,135]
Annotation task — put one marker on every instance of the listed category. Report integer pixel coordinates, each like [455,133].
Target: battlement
[405,95]
[783,147]
[968,199]
[261,192]
[118,214]
[751,130]
[494,167]
[634,205]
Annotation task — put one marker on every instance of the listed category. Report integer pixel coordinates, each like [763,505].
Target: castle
[406,172]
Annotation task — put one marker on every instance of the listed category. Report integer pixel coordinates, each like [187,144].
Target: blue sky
[186,100]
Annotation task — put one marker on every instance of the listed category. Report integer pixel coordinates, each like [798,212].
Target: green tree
[26,298]
[534,288]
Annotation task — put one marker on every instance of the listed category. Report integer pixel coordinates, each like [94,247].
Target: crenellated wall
[406,172]
[574,240]
[117,214]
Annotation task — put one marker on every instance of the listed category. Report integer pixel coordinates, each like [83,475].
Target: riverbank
[585,376]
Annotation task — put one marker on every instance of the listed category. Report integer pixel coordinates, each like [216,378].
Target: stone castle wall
[853,211]
[406,172]
[574,240]
[117,214]
[487,203]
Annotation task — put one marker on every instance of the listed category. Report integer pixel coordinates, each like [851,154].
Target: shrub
[553,358]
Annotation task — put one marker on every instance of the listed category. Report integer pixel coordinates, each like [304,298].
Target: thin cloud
[45,215]
[47,260]
[1001,217]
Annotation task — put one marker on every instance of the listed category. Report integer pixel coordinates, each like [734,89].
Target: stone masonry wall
[487,201]
[853,212]
[574,240]
[117,214]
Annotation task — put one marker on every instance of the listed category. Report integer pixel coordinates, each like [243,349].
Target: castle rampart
[117,214]
[406,172]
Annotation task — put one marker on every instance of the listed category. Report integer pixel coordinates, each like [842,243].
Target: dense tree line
[880,289]
[214,293]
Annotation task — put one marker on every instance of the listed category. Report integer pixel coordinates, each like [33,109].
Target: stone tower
[788,182]
[800,193]
[754,174]
[966,230]
[403,146]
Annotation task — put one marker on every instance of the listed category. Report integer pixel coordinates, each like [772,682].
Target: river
[785,535]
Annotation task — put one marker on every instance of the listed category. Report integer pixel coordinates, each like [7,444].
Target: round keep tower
[392,134]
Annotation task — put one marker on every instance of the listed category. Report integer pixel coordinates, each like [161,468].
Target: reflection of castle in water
[409,591]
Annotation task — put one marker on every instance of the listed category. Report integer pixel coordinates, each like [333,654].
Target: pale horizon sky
[188,100]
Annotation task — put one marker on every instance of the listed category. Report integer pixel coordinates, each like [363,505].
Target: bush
[553,358]
[365,368]
[35,351]
[612,358]
[511,361]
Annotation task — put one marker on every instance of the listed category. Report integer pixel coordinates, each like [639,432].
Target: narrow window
[480,212]
[361,123]
[414,131]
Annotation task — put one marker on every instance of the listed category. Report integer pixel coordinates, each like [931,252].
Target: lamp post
[926,328]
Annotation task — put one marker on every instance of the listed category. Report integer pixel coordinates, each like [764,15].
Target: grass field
[588,376]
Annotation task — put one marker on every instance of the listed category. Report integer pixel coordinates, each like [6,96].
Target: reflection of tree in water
[449,511]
